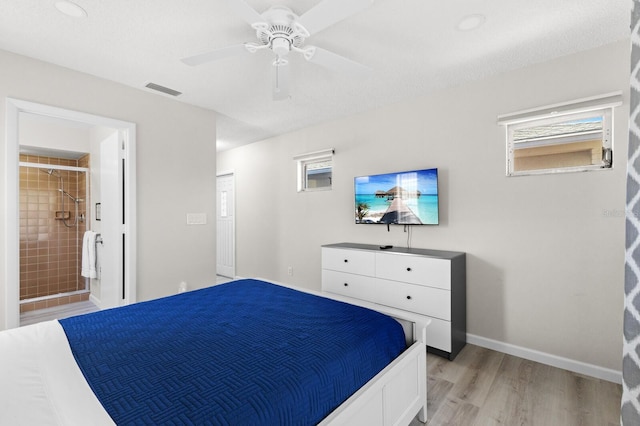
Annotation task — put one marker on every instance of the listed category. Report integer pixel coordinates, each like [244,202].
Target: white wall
[175,168]
[545,262]
[40,132]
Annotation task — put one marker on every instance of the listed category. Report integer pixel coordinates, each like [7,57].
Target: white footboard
[393,397]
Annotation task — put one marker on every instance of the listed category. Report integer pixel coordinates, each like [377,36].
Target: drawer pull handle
[408,269]
[408,297]
[346,261]
[346,284]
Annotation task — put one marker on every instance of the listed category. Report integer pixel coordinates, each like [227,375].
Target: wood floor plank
[437,391]
[480,370]
[447,370]
[591,402]
[548,395]
[453,412]
[609,396]
[506,401]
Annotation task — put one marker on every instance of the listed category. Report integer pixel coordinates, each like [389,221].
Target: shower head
[51,172]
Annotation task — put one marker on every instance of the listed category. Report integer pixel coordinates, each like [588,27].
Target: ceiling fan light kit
[280,46]
[282,31]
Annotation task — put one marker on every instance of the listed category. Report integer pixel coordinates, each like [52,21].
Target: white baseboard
[548,359]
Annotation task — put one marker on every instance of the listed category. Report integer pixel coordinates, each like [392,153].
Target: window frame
[602,105]
[304,160]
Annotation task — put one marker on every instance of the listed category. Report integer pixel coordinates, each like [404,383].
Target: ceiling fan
[282,31]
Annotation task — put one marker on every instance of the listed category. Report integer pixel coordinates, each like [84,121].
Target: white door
[225,226]
[111,223]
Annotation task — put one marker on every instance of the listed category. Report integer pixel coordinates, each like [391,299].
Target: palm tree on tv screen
[362,210]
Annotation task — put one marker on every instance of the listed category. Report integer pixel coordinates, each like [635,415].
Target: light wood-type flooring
[484,387]
[57,312]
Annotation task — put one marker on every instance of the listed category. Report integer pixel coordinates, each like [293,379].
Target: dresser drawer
[351,261]
[439,334]
[356,286]
[430,301]
[413,269]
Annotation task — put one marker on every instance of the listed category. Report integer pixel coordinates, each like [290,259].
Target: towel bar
[99,239]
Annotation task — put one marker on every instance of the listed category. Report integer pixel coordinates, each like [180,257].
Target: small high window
[575,136]
[315,170]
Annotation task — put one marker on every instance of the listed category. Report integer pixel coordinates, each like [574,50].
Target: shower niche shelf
[63,215]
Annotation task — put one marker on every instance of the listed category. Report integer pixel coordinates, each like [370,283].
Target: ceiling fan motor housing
[280,34]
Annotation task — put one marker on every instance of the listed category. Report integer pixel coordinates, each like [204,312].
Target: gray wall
[545,253]
[176,158]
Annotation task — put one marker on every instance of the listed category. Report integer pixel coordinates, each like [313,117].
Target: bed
[246,352]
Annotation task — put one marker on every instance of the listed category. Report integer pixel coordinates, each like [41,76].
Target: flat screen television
[403,198]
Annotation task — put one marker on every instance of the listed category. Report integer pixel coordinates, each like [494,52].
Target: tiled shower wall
[50,252]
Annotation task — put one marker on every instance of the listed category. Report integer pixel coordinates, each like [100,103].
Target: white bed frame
[43,385]
[396,394]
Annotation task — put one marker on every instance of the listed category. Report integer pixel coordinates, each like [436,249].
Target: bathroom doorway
[121,289]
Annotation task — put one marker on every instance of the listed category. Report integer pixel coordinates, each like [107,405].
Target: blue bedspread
[243,353]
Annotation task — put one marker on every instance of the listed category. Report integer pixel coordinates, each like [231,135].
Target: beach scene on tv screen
[409,198]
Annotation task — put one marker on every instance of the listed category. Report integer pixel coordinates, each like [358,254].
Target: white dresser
[430,283]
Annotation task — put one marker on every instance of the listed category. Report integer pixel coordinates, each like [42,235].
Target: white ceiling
[413,47]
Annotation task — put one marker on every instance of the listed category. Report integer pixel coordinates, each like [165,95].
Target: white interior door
[225,226]
[111,223]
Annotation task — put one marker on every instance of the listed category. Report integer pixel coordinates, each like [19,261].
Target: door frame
[233,179]
[12,229]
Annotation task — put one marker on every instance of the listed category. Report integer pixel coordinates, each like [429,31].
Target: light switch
[196,218]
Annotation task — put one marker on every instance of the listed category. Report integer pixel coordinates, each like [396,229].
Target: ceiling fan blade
[329,12]
[280,75]
[244,11]
[335,62]
[215,55]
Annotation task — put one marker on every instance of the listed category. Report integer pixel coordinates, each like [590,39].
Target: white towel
[89,255]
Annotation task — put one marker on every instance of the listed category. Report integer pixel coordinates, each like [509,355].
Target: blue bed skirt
[242,353]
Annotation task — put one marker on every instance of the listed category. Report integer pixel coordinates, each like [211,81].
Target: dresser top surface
[397,250]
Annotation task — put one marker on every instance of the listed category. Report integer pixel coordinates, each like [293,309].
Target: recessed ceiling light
[71,9]
[471,22]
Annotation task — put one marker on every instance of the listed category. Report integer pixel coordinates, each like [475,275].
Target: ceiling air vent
[163,89]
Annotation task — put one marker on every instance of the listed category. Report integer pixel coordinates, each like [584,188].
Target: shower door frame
[12,232]
[87,203]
